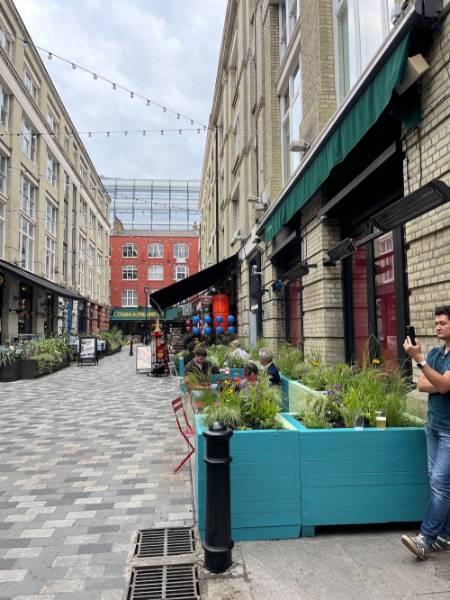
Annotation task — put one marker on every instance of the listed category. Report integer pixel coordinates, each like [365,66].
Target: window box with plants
[265,476]
[353,472]
[9,368]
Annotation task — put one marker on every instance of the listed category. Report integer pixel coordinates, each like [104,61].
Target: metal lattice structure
[154,204]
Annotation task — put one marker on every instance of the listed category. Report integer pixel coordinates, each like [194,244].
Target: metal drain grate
[174,582]
[164,542]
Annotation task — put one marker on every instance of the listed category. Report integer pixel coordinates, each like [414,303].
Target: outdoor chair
[185,429]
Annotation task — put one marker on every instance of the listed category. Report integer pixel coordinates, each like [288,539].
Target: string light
[105,132]
[52,55]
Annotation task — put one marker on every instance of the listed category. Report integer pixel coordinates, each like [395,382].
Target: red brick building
[149,260]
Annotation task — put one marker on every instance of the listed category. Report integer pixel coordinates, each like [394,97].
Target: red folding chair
[185,428]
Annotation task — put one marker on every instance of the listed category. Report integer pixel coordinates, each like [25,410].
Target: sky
[166,50]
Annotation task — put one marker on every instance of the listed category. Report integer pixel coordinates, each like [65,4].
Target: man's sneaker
[417,545]
[441,545]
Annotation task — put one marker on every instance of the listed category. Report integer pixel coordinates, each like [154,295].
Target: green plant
[234,361]
[6,358]
[113,339]
[254,350]
[260,405]
[289,361]
[217,354]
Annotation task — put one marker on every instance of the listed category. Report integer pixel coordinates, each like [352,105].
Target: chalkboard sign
[143,359]
[88,351]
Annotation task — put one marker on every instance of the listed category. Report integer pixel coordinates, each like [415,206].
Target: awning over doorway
[41,282]
[212,276]
[350,130]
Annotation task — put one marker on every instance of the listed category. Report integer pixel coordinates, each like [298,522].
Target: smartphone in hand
[411,333]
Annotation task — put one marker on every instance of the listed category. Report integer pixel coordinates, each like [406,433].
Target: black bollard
[131,347]
[218,542]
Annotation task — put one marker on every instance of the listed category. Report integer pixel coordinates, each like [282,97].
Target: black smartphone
[411,333]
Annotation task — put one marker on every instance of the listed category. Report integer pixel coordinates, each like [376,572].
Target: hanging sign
[143,359]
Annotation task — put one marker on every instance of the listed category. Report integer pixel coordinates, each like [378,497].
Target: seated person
[251,374]
[199,368]
[236,350]
[190,354]
[265,358]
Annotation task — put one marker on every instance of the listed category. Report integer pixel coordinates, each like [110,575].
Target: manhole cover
[164,542]
[174,582]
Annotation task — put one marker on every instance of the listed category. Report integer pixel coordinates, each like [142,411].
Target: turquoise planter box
[180,366]
[294,393]
[265,484]
[359,477]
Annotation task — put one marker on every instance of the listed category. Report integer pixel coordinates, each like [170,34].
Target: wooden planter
[369,476]
[294,393]
[265,483]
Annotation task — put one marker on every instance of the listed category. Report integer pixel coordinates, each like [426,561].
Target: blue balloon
[207,330]
[231,329]
[219,319]
[196,331]
[208,319]
[231,319]
[196,319]
[219,330]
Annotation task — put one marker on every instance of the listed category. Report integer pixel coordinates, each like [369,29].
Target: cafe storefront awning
[41,282]
[179,291]
[341,139]
[132,314]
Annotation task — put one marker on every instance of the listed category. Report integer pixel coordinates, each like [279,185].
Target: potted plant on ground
[8,365]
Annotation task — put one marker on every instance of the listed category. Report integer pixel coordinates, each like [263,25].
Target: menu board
[143,359]
[88,350]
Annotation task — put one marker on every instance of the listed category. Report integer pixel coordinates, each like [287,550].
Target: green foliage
[234,361]
[6,357]
[217,354]
[289,361]
[254,407]
[254,350]
[113,339]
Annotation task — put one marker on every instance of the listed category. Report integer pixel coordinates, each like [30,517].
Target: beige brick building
[321,114]
[54,229]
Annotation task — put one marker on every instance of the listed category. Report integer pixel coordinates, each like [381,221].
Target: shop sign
[132,314]
[206,300]
[187,309]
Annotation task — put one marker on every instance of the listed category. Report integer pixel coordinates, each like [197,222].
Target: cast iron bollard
[218,542]
[131,347]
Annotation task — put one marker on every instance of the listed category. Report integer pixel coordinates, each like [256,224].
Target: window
[289,14]
[129,298]
[129,272]
[92,221]
[180,272]
[236,138]
[3,174]
[156,273]
[75,154]
[52,170]
[64,263]
[4,106]
[28,197]
[180,251]
[361,26]
[6,38]
[26,243]
[83,170]
[129,251]
[50,246]
[99,273]
[83,213]
[155,251]
[2,230]
[52,120]
[50,218]
[66,141]
[81,258]
[291,117]
[31,83]
[29,140]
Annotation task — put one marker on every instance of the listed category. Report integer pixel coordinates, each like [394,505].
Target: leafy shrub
[113,339]
[289,361]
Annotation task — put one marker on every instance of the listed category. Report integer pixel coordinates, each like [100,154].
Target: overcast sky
[166,50]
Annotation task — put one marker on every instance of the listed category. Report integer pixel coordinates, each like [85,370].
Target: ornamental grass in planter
[265,477]
[113,339]
[9,368]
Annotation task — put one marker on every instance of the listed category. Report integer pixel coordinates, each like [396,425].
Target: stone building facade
[368,139]
[54,229]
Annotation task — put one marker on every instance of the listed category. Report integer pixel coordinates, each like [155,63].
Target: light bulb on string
[131,94]
[148,102]
[164,109]
[114,86]
[162,131]
[50,56]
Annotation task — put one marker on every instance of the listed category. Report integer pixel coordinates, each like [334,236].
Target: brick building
[329,128]
[141,263]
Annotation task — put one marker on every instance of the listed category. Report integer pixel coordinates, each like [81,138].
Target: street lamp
[147,292]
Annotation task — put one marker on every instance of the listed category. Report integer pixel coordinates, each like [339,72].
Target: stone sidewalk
[87,455]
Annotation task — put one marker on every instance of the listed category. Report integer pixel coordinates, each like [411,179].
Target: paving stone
[81,472]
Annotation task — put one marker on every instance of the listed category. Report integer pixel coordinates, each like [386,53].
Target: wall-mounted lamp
[299,146]
[255,271]
[340,251]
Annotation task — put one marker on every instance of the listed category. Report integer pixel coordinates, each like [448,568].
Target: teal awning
[362,116]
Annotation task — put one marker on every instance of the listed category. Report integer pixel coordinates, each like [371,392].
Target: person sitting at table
[251,375]
[237,351]
[200,367]
[265,358]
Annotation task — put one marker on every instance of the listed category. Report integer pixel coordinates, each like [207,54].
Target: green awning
[132,314]
[362,116]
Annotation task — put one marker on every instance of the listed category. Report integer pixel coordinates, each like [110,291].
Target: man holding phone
[434,379]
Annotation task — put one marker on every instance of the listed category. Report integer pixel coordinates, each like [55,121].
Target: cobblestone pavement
[86,460]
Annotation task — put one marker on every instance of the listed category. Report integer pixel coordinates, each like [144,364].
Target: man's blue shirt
[439,404]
